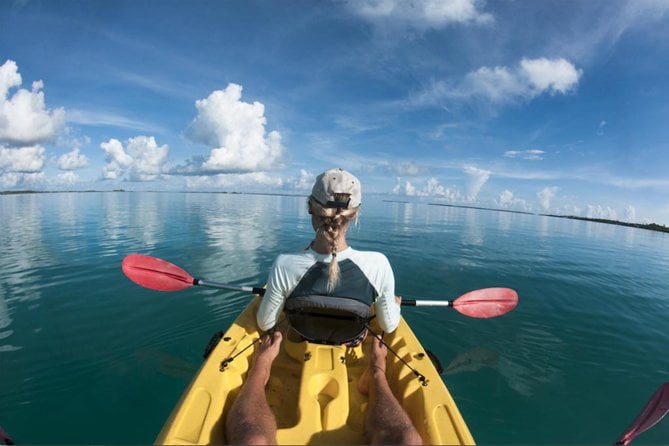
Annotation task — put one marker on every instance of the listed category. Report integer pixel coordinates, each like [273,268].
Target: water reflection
[68,215]
[472,361]
[5,322]
[138,218]
[407,216]
[504,221]
[524,369]
[542,226]
[114,219]
[630,236]
[22,241]
[242,236]
[231,227]
[472,233]
[401,214]
[165,363]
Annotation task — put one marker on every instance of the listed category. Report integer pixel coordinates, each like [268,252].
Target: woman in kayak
[329,273]
[329,277]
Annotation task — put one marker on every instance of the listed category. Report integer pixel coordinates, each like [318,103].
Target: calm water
[86,356]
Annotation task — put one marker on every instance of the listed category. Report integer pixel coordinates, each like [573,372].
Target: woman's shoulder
[370,256]
[291,258]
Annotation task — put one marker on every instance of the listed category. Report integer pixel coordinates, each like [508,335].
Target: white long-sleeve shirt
[289,269]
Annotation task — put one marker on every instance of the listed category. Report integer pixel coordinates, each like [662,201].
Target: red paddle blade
[486,302]
[656,408]
[155,274]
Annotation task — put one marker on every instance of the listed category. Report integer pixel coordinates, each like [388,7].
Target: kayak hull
[313,390]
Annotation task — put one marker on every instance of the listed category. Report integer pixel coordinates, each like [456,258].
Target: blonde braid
[331,223]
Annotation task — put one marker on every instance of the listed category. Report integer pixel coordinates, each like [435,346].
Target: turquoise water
[87,357]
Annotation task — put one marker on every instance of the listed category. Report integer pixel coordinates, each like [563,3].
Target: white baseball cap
[337,181]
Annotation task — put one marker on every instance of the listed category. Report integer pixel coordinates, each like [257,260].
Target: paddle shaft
[426,303]
[261,291]
[225,286]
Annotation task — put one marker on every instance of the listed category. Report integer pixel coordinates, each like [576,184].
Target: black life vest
[336,317]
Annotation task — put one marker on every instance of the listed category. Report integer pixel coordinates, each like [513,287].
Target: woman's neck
[322,246]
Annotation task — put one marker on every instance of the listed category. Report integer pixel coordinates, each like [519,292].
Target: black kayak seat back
[336,316]
[326,319]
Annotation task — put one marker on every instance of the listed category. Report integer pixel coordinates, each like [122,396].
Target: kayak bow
[313,390]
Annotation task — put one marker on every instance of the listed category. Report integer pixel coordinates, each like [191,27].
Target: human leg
[385,422]
[250,420]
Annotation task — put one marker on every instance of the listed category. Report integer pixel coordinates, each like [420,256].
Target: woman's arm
[272,302]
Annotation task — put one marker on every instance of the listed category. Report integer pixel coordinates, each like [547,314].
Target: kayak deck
[313,390]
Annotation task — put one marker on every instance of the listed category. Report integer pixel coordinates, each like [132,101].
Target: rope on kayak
[229,359]
[423,380]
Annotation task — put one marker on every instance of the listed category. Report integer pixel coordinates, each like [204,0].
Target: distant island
[649,226]
[22,192]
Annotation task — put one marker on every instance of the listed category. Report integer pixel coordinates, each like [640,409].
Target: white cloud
[374,165]
[506,200]
[24,118]
[107,118]
[570,209]
[351,124]
[598,211]
[19,179]
[409,189]
[501,85]
[28,159]
[141,160]
[546,195]
[305,180]
[239,181]
[421,13]
[630,213]
[73,142]
[72,160]
[404,189]
[602,26]
[236,132]
[407,168]
[602,125]
[525,154]
[148,158]
[117,160]
[432,189]
[67,177]
[476,179]
[550,75]
[498,84]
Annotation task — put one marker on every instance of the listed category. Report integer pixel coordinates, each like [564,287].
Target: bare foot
[379,353]
[377,364]
[363,382]
[268,350]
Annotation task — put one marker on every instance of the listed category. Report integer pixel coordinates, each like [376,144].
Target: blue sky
[540,106]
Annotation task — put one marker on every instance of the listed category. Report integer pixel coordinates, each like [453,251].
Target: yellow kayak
[313,390]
